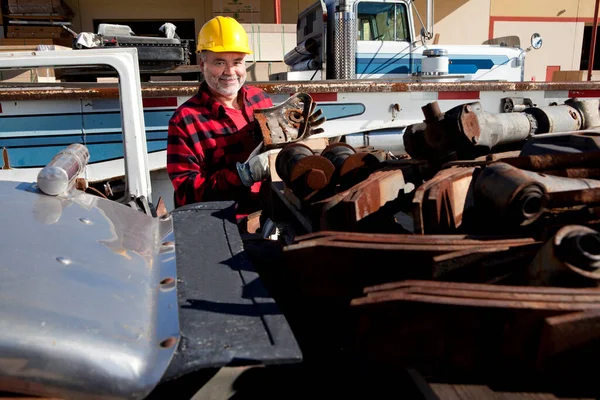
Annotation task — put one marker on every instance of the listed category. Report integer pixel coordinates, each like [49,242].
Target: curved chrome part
[89,302]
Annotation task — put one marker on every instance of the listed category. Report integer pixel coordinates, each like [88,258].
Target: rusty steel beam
[341,264]
[546,162]
[567,332]
[480,332]
[484,295]
[41,91]
[437,242]
[559,291]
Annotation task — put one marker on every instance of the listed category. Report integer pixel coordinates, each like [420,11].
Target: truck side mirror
[536,41]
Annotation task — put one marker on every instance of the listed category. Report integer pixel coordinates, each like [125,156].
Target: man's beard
[225,90]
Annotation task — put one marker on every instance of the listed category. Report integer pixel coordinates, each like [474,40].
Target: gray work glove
[256,167]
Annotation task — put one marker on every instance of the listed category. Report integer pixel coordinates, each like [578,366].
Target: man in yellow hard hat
[211,136]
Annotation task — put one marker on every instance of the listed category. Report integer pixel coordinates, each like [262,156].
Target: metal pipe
[593,44]
[430,17]
[344,41]
[277,8]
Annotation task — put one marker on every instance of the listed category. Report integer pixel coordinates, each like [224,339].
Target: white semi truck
[377,39]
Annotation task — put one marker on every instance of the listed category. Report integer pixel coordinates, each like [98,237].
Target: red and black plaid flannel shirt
[204,146]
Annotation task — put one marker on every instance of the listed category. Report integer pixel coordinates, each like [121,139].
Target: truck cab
[378,40]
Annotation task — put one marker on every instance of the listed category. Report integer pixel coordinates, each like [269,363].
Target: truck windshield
[382,21]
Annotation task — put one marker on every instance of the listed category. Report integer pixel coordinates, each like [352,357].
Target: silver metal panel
[88,305]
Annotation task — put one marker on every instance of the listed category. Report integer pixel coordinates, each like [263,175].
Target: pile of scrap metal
[476,257]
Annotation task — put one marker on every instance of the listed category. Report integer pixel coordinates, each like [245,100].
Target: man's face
[225,73]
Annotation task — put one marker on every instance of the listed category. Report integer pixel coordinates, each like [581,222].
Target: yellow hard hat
[223,34]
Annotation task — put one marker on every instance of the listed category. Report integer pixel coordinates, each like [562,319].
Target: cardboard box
[242,18]
[47,32]
[236,6]
[24,41]
[17,75]
[39,7]
[569,76]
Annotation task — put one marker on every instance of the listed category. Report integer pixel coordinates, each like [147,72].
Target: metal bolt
[165,217]
[167,281]
[86,221]
[64,260]
[169,342]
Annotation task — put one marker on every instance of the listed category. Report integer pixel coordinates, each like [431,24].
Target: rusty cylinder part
[508,195]
[589,111]
[571,258]
[304,172]
[351,167]
[338,153]
[467,131]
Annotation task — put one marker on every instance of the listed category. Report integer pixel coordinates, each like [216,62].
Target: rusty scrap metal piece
[467,131]
[343,210]
[575,173]
[458,293]
[572,163]
[161,209]
[351,167]
[477,331]
[573,198]
[519,197]
[570,258]
[439,203]
[545,162]
[5,158]
[289,122]
[341,264]
[588,109]
[508,194]
[567,332]
[302,171]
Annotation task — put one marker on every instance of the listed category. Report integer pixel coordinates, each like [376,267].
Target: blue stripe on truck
[400,64]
